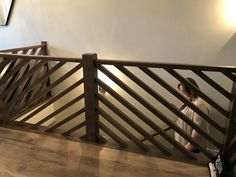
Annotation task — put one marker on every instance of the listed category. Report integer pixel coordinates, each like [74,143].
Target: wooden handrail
[22,48]
[126,63]
[29,78]
[36,57]
[167,65]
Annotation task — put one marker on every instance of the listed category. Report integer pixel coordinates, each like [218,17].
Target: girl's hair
[191,93]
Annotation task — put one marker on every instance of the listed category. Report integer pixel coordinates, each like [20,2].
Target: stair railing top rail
[91,66]
[34,49]
[14,50]
[36,57]
[166,65]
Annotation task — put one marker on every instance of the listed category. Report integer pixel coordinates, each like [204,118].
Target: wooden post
[232,120]
[44,48]
[91,102]
[231,131]
[46,66]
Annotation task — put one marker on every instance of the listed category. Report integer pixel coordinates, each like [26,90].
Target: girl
[201,104]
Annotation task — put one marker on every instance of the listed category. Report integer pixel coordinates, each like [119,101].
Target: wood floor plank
[27,154]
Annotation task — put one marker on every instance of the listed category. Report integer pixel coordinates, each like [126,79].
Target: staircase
[119,103]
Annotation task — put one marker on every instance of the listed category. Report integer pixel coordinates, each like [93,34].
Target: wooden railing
[128,101]
[171,69]
[18,74]
[229,150]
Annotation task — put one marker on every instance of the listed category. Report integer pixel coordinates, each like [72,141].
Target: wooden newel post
[91,101]
[44,48]
[46,66]
[228,151]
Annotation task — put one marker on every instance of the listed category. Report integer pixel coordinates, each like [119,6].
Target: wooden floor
[33,155]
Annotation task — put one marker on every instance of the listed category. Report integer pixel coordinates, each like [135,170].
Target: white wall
[159,30]
[183,31]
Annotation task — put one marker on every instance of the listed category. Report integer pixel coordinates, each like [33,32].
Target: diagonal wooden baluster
[155,111]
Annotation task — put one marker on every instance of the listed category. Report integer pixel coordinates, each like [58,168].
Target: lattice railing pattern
[17,75]
[229,150]
[122,101]
[126,70]
[46,93]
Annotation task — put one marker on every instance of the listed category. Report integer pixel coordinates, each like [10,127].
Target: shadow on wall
[227,54]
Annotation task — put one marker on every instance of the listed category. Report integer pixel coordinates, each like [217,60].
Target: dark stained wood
[118,126]
[13,71]
[28,96]
[156,134]
[36,91]
[155,111]
[91,96]
[4,63]
[21,48]
[232,146]
[168,105]
[229,151]
[33,51]
[75,128]
[44,77]
[46,66]
[40,52]
[230,75]
[8,84]
[18,82]
[41,57]
[67,119]
[133,124]
[52,100]
[44,47]
[121,142]
[166,65]
[64,107]
[231,129]
[11,82]
[24,77]
[25,51]
[29,91]
[90,100]
[183,99]
[25,111]
[10,66]
[145,119]
[214,84]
